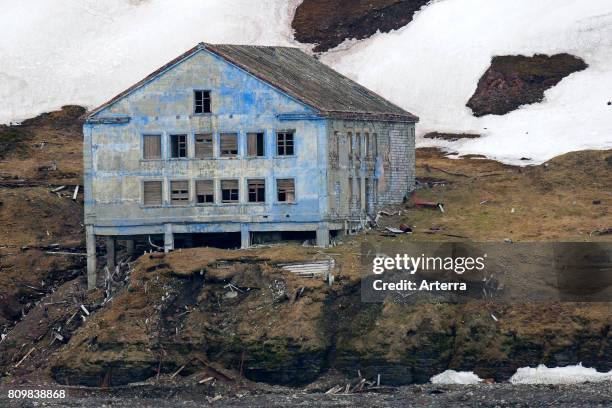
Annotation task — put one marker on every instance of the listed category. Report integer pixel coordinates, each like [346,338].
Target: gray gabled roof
[300,76]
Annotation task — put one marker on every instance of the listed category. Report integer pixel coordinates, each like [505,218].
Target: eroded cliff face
[515,80]
[327,23]
[277,328]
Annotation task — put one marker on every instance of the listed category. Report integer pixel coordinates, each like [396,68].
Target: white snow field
[559,375]
[57,52]
[431,67]
[455,377]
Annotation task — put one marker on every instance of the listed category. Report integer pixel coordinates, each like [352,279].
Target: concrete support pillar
[91,257]
[129,247]
[168,238]
[245,236]
[111,252]
[323,235]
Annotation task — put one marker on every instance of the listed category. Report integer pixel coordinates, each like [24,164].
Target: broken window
[285,189]
[358,144]
[368,148]
[179,192]
[202,101]
[204,146]
[257,191]
[205,191]
[152,193]
[284,144]
[349,136]
[229,191]
[255,144]
[178,146]
[229,144]
[151,147]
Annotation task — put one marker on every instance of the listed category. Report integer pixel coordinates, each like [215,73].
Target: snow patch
[559,375]
[58,52]
[432,66]
[455,377]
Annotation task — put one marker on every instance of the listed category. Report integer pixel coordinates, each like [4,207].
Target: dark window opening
[257,191]
[179,192]
[202,101]
[205,191]
[285,189]
[229,144]
[229,191]
[204,146]
[152,192]
[151,146]
[284,144]
[178,146]
[255,144]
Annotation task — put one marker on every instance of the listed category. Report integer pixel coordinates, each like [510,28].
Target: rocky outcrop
[326,24]
[515,80]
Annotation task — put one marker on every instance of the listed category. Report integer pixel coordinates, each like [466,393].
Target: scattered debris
[312,269]
[428,204]
[75,193]
[605,231]
[507,240]
[596,202]
[24,357]
[58,189]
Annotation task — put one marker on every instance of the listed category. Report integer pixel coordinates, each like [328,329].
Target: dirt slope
[515,80]
[327,23]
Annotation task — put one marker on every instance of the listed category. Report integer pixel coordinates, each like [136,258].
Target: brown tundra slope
[327,23]
[515,80]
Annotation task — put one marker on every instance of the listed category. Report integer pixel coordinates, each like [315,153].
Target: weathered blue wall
[114,168]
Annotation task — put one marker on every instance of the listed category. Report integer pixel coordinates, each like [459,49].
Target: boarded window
[202,101]
[229,144]
[255,144]
[204,146]
[374,144]
[151,146]
[257,191]
[179,192]
[285,189]
[152,193]
[284,144]
[229,191]
[205,191]
[178,146]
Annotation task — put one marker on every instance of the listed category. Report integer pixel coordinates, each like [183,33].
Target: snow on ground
[559,375]
[455,377]
[58,52]
[432,66]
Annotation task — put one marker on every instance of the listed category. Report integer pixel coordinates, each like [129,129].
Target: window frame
[142,193]
[161,146]
[186,202]
[213,143]
[248,190]
[237,180]
[195,104]
[247,155]
[276,141]
[195,192]
[170,136]
[295,198]
[237,134]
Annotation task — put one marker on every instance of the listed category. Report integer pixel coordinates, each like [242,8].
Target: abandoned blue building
[246,141]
